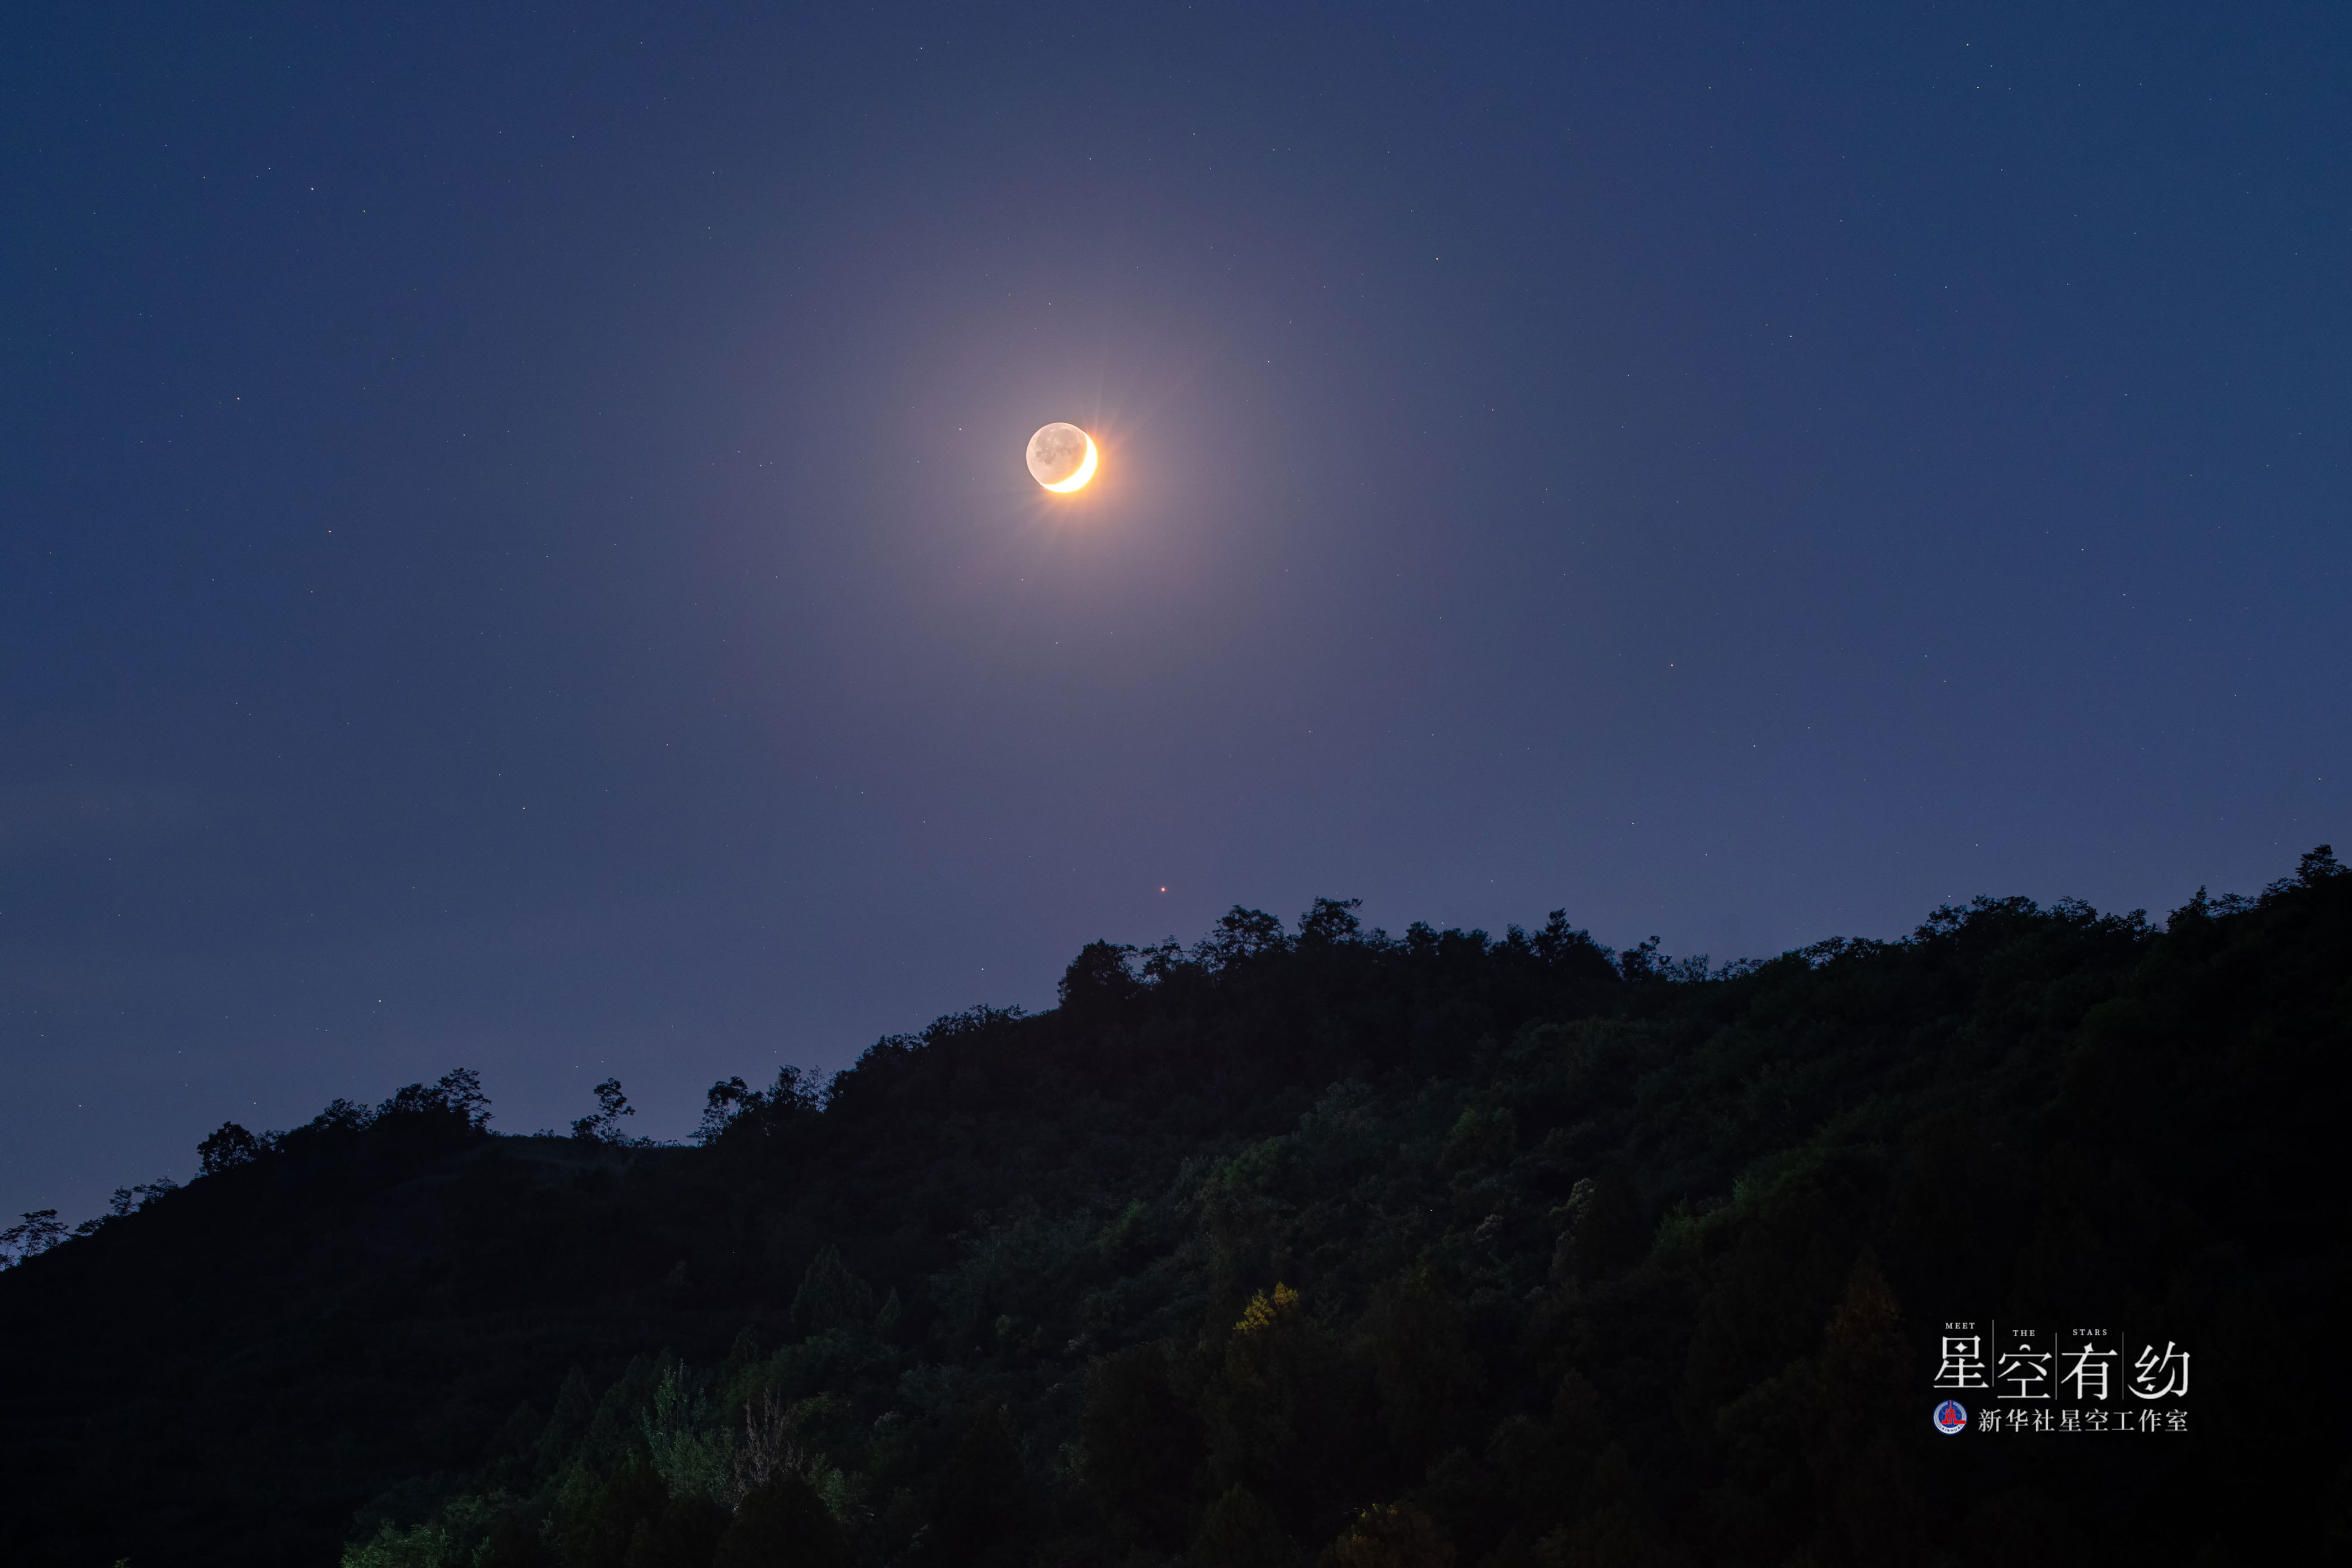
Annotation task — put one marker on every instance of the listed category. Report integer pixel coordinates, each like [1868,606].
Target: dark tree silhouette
[604,1125]
[1098,978]
[33,1234]
[226,1149]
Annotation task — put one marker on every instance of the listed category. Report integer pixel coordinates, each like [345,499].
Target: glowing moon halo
[1062,457]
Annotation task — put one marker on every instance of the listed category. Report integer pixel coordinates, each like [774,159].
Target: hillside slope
[1427,1249]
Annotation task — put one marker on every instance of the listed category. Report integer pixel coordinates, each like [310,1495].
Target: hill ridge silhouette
[1292,1245]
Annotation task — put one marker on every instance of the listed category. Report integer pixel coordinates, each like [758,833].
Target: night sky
[515,550]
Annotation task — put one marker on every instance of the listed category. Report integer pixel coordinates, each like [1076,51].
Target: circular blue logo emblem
[1951,1416]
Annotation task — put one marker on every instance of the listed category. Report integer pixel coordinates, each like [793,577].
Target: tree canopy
[1314,1245]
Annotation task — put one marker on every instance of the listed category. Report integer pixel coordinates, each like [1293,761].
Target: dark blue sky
[514,548]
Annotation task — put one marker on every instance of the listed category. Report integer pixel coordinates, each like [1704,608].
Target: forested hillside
[1314,1246]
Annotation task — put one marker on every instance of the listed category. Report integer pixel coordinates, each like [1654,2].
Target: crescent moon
[1085,472]
[1062,457]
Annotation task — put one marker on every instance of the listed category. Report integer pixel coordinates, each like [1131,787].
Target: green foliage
[609,1521]
[1508,1248]
[783,1524]
[425,1546]
[1391,1535]
[1240,1532]
[692,1459]
[1416,1333]
[831,1296]
[1006,1274]
[515,1541]
[1603,1230]
[462,1533]
[1280,1408]
[1143,1444]
[984,1510]
[1483,1135]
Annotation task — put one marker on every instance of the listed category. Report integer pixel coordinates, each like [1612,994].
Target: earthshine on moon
[1062,457]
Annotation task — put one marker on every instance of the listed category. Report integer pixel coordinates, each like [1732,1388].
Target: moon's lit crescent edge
[1085,470]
